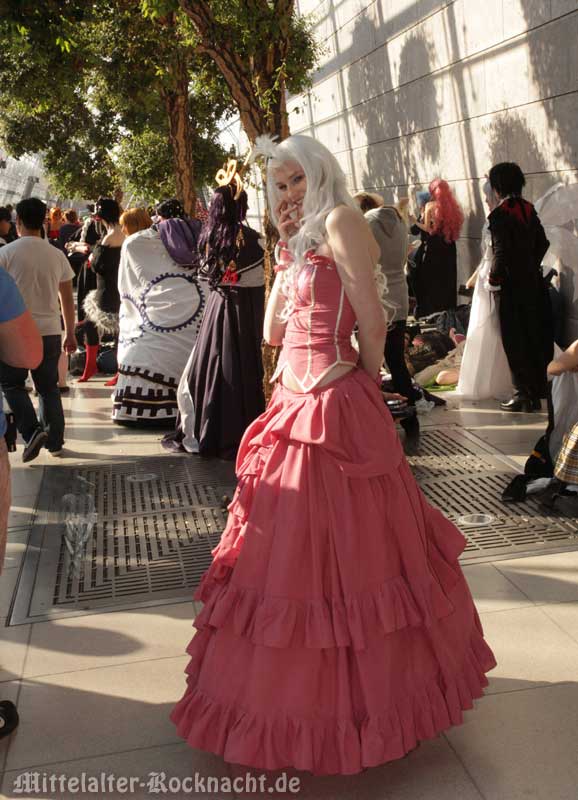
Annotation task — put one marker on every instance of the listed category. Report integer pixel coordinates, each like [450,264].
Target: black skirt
[226,373]
[434,279]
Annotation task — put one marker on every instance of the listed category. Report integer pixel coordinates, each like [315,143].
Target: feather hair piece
[265,145]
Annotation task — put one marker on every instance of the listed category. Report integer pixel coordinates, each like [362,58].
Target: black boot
[519,402]
[410,426]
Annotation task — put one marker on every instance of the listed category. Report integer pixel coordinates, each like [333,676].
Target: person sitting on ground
[43,276]
[566,464]
[391,232]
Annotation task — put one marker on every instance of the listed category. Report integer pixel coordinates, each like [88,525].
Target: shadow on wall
[389,152]
[554,65]
[511,139]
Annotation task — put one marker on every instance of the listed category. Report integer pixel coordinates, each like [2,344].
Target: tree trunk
[249,83]
[177,107]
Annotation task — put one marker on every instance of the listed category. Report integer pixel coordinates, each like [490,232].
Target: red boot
[90,367]
[112,381]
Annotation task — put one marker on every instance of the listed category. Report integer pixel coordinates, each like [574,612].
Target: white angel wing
[558,211]
[559,205]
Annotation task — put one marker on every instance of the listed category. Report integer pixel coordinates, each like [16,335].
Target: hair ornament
[229,176]
[265,145]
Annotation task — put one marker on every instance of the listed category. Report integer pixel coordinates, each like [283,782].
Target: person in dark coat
[518,246]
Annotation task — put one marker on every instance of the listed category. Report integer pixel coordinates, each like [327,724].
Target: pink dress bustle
[337,629]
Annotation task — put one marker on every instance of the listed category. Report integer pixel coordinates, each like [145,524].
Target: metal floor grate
[150,526]
[149,530]
[464,477]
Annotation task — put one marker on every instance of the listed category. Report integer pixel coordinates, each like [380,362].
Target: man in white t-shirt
[44,277]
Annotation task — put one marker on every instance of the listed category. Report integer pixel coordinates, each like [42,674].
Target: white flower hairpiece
[265,145]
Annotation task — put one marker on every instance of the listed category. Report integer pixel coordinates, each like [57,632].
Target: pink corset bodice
[318,333]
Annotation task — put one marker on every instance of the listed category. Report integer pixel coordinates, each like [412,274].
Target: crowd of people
[316,647]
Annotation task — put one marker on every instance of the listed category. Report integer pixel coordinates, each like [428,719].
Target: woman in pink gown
[338,630]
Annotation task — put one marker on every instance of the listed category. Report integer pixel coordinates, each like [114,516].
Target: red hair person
[445,215]
[434,275]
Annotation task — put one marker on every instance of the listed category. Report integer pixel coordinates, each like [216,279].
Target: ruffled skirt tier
[337,629]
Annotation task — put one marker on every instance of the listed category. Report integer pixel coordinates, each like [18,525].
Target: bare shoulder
[113,239]
[348,233]
[344,217]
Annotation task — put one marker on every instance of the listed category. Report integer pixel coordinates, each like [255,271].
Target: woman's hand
[288,219]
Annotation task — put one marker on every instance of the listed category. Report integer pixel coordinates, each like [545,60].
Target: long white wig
[326,189]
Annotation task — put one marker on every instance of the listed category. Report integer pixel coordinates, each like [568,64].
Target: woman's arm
[98,262]
[274,328]
[356,252]
[471,281]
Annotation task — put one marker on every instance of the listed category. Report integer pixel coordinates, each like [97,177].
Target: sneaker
[35,445]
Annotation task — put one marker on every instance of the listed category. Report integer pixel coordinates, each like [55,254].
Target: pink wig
[448,216]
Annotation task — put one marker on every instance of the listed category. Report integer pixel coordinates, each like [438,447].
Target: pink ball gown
[337,629]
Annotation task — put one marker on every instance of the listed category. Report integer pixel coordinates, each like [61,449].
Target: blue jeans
[45,377]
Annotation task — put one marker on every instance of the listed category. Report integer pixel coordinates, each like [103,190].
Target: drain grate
[121,535]
[149,527]
[465,478]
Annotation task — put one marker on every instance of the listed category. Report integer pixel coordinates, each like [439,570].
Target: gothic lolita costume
[337,630]
[222,388]
[101,306]
[518,247]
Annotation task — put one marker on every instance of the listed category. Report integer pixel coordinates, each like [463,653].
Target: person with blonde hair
[135,219]
[338,630]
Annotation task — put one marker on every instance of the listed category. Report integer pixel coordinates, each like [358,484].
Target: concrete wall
[411,89]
